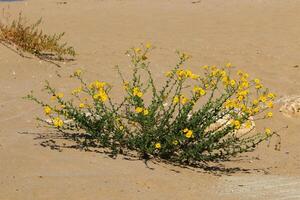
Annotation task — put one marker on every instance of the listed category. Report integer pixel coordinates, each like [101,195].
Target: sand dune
[259,36]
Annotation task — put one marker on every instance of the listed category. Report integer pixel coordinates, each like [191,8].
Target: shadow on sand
[62,140]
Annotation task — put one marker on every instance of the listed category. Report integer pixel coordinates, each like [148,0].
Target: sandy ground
[259,36]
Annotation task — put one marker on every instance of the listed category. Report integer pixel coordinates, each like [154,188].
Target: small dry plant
[192,118]
[28,38]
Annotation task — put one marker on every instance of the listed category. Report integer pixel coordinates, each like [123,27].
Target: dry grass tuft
[28,38]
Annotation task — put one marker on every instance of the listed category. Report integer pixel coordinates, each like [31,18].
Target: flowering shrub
[191,118]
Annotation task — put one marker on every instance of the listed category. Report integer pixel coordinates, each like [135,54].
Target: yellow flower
[258,86]
[137,50]
[205,67]
[176,99]
[255,110]
[270,104]
[148,45]
[240,98]
[267,131]
[175,142]
[57,122]
[215,72]
[269,114]
[213,67]
[81,105]
[245,84]
[101,95]
[223,73]
[228,65]
[184,100]
[157,145]
[229,104]
[271,95]
[243,93]
[47,110]
[168,74]
[255,102]
[138,109]
[189,134]
[188,73]
[137,92]
[121,127]
[244,107]
[248,124]
[225,80]
[59,95]
[194,76]
[236,124]
[97,85]
[199,91]
[240,73]
[77,90]
[263,99]
[181,74]
[256,81]
[146,112]
[185,130]
[245,75]
[53,98]
[232,82]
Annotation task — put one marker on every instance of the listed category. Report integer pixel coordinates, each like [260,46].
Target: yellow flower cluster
[97,85]
[199,91]
[180,98]
[242,95]
[183,74]
[258,85]
[77,90]
[142,110]
[57,122]
[256,106]
[236,123]
[137,92]
[100,93]
[188,133]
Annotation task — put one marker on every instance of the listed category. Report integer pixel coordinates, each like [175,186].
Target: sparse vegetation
[28,38]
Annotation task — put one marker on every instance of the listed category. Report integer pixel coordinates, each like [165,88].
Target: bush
[191,118]
[30,39]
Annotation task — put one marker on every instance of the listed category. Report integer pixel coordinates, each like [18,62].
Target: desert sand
[261,37]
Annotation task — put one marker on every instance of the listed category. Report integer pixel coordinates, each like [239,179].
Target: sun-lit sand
[261,37]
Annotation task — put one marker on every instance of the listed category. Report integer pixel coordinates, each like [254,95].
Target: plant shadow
[63,140]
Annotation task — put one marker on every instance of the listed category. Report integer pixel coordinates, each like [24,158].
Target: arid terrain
[261,37]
